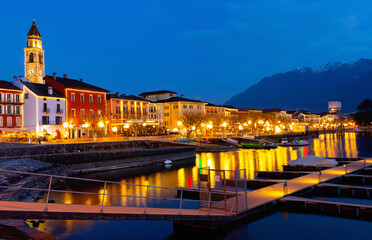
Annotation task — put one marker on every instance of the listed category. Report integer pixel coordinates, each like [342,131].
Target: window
[26,96]
[1,97]
[73,113]
[91,113]
[184,106]
[18,121]
[125,109]
[175,106]
[45,107]
[144,110]
[1,121]
[9,121]
[82,113]
[117,109]
[58,120]
[99,99]
[72,97]
[99,112]
[81,97]
[44,99]
[8,97]
[58,108]
[191,106]
[90,98]
[1,109]
[17,110]
[18,98]
[45,120]
[31,58]
[57,100]
[8,109]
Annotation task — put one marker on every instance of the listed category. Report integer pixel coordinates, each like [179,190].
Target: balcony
[59,111]
[46,110]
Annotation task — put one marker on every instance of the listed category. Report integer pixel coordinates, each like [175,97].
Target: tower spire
[34,32]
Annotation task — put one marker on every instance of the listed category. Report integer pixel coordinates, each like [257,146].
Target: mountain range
[310,88]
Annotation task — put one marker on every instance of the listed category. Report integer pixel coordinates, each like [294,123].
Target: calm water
[280,225]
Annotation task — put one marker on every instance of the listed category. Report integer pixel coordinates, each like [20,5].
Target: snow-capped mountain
[311,88]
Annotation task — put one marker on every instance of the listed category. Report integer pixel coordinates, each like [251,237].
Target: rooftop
[155,92]
[125,97]
[34,32]
[8,85]
[178,99]
[77,84]
[41,90]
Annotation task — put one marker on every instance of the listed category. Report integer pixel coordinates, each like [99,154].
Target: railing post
[345,168]
[47,200]
[181,200]
[209,202]
[320,176]
[364,163]
[103,197]
[147,189]
[285,188]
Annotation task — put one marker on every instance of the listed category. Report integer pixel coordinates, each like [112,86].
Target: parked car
[204,140]
[182,139]
[193,140]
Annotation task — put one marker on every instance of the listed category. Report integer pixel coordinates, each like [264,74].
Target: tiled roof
[77,84]
[155,92]
[33,31]
[8,85]
[178,99]
[41,90]
[125,97]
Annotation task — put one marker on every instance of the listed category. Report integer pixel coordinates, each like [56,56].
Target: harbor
[253,161]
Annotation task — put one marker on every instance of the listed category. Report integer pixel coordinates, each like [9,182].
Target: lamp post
[115,130]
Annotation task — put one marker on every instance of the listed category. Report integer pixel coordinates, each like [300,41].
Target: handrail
[103,181]
[107,194]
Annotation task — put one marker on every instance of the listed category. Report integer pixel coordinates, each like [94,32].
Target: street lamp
[115,130]
[101,124]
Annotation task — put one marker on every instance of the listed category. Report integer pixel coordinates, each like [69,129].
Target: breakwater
[93,157]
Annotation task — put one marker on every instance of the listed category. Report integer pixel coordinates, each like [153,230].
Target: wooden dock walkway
[269,195]
[239,205]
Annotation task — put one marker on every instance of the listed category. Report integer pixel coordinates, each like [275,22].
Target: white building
[44,108]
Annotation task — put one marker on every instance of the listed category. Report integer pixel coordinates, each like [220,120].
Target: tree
[364,114]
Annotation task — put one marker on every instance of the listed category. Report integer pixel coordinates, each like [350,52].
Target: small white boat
[285,143]
[312,160]
[168,162]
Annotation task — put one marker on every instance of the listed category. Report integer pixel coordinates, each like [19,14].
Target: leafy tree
[364,114]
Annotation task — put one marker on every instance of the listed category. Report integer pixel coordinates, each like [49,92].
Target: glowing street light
[115,130]
[101,124]
[179,123]
[65,124]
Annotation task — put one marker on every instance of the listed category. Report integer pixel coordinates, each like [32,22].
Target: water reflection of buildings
[329,145]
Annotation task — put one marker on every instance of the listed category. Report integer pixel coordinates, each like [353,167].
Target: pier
[230,202]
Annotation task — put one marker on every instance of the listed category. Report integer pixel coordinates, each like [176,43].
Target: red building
[10,107]
[85,105]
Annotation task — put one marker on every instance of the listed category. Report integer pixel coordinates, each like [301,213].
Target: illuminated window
[99,99]
[1,121]
[72,97]
[90,98]
[73,113]
[9,121]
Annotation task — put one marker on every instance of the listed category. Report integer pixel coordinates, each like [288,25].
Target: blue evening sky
[205,49]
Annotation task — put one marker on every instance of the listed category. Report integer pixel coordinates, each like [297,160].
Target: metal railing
[182,199]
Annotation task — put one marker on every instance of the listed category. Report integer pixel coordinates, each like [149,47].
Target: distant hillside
[310,88]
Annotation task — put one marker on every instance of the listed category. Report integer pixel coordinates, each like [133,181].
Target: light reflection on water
[329,145]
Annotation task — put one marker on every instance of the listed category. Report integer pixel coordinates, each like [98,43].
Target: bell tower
[34,56]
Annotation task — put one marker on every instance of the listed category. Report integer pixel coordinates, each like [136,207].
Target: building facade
[85,105]
[44,108]
[11,107]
